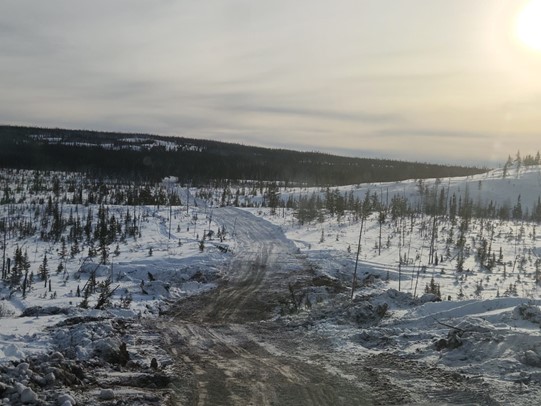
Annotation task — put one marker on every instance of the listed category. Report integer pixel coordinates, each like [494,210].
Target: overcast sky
[428,80]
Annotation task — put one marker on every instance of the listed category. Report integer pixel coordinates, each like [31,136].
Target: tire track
[212,333]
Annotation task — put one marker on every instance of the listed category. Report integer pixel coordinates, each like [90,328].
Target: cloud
[392,77]
[19,41]
[317,114]
[436,134]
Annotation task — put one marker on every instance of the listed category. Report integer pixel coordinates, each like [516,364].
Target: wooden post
[357,258]
[170,210]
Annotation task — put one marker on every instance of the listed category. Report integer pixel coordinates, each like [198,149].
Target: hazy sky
[411,79]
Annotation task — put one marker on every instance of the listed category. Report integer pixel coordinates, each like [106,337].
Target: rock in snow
[13,351]
[107,394]
[28,396]
[50,378]
[66,400]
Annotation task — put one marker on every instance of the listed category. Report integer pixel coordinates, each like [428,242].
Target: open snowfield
[487,327]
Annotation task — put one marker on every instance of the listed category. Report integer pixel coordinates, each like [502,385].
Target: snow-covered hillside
[130,143]
[501,187]
[512,244]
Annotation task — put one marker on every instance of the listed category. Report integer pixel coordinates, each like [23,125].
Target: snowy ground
[51,332]
[488,324]
[490,329]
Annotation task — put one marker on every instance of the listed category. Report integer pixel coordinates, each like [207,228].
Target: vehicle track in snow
[213,333]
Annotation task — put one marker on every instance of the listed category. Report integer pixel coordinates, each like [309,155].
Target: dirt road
[218,337]
[229,352]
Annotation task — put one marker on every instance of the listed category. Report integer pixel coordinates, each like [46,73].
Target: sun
[528,25]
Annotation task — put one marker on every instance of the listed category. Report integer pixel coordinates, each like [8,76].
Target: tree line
[200,163]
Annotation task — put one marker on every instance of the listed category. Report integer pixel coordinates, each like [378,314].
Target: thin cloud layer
[416,79]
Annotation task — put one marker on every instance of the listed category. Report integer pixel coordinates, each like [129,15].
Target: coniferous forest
[151,158]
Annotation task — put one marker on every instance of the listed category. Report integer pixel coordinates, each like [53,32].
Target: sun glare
[528,25]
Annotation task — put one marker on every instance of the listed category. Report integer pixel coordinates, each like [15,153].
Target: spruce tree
[17,270]
[44,269]
[63,249]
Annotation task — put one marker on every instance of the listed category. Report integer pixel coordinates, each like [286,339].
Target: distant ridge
[152,157]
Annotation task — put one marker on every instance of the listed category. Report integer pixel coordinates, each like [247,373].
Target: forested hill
[153,157]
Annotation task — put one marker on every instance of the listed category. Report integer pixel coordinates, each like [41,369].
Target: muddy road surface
[231,349]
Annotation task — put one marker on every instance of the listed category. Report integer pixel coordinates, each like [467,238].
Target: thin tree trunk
[357,258]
